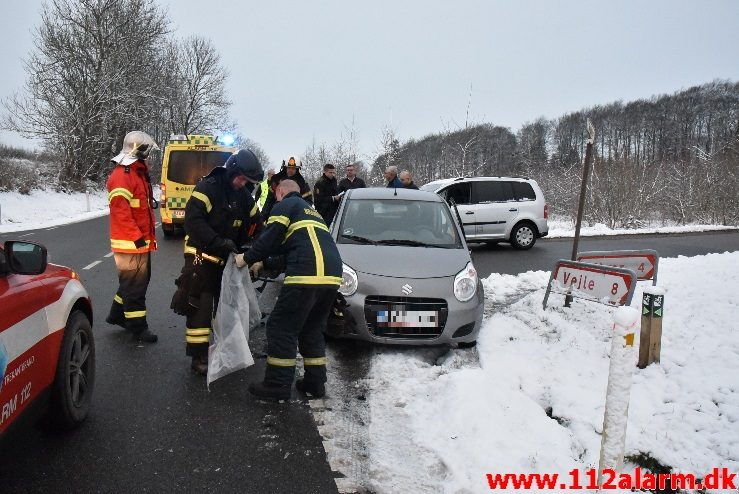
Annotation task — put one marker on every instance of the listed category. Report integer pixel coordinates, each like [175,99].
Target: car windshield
[398,222]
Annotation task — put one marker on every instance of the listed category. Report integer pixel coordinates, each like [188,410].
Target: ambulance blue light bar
[226,139]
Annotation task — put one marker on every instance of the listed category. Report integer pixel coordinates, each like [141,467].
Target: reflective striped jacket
[216,211]
[297,231]
[131,215]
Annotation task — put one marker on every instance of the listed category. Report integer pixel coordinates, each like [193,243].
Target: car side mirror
[25,257]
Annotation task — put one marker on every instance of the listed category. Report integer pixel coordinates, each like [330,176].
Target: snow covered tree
[91,77]
[198,101]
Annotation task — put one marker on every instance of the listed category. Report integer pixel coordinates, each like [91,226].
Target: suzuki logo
[406,289]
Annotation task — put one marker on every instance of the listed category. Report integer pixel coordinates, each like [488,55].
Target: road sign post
[650,338]
[615,416]
[605,284]
[583,190]
[644,263]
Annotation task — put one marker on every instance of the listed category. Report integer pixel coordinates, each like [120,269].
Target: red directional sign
[596,282]
[642,262]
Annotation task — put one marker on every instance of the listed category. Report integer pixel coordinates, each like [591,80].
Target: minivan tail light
[546,211]
[163,195]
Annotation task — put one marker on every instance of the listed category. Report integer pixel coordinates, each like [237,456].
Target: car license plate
[178,213]
[399,318]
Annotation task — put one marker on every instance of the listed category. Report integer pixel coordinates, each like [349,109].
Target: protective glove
[223,246]
[240,261]
[139,243]
[256,268]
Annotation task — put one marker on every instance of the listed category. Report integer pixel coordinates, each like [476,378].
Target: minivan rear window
[188,167]
[523,191]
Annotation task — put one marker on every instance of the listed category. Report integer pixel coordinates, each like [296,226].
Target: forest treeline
[667,158]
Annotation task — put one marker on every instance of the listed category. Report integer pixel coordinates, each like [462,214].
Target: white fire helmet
[136,146]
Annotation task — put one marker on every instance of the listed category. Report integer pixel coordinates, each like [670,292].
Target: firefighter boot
[200,365]
[267,392]
[115,316]
[315,390]
[145,336]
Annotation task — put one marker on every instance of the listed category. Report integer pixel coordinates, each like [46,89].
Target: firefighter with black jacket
[220,216]
[326,193]
[313,272]
[290,169]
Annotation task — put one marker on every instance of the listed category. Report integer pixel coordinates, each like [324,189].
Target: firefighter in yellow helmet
[290,169]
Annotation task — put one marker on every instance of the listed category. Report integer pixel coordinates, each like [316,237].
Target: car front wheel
[523,236]
[75,374]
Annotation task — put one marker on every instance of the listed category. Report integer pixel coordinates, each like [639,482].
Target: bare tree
[89,81]
[198,101]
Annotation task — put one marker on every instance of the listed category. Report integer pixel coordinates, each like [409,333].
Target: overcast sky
[304,71]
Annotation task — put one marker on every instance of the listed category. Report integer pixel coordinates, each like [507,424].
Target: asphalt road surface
[154,427]
[502,258]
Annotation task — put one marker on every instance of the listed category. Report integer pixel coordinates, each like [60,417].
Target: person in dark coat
[391,175]
[312,277]
[220,216]
[351,181]
[407,180]
[326,194]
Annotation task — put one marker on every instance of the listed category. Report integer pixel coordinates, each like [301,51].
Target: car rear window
[188,167]
[523,191]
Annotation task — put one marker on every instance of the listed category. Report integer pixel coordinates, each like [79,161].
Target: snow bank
[566,228]
[44,209]
[440,426]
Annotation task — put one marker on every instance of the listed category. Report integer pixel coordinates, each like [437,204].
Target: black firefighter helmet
[246,163]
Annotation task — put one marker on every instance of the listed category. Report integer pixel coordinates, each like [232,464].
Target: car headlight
[349,281]
[465,283]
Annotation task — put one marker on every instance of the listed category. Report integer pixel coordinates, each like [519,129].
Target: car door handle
[470,212]
[513,209]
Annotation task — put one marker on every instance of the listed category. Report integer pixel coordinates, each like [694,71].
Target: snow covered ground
[44,209]
[440,423]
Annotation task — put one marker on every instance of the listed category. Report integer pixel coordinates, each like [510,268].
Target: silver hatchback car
[408,277]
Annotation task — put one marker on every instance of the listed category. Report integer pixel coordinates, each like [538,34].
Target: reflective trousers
[204,294]
[129,303]
[298,321]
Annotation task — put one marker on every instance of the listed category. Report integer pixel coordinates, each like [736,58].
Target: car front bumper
[463,319]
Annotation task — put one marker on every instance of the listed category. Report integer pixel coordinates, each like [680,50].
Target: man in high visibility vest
[132,234]
[264,190]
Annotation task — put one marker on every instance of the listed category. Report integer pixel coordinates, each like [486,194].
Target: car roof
[446,181]
[394,194]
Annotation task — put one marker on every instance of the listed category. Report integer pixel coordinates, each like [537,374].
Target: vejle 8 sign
[596,282]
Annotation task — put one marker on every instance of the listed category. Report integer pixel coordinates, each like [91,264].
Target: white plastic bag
[237,313]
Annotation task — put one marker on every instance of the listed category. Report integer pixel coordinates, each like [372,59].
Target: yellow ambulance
[187,159]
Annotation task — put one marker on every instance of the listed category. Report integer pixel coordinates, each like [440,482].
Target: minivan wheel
[75,374]
[523,236]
